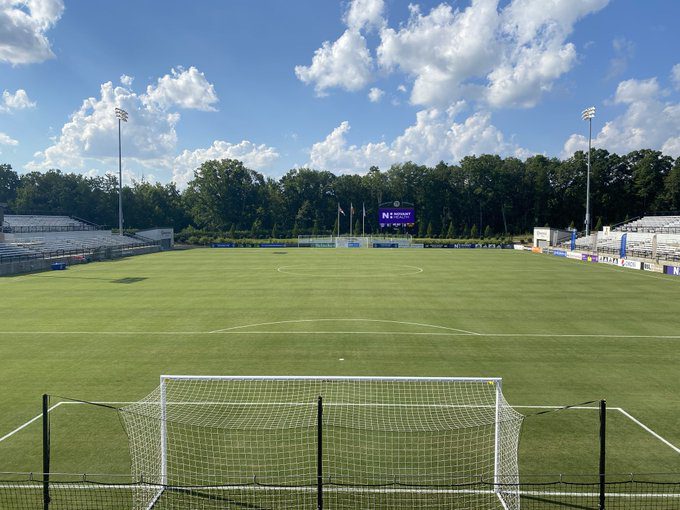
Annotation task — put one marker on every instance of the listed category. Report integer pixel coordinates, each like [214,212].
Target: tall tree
[224,192]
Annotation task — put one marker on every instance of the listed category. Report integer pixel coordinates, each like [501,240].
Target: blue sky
[332,85]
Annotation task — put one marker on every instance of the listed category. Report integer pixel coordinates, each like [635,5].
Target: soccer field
[557,331]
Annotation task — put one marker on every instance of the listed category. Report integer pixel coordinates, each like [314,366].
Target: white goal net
[324,442]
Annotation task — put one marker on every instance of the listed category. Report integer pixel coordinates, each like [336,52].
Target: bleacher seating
[653,224]
[36,235]
[91,241]
[640,239]
[8,251]
[39,223]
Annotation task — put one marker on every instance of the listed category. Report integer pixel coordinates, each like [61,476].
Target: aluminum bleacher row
[653,224]
[640,236]
[34,235]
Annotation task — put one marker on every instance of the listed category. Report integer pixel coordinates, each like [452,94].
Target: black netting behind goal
[70,492]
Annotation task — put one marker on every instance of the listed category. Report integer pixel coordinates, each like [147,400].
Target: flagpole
[363,219]
[351,211]
[337,234]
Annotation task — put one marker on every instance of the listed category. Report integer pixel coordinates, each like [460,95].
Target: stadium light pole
[588,115]
[122,115]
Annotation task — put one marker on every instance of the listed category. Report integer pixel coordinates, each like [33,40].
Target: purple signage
[672,270]
[396,216]
[588,258]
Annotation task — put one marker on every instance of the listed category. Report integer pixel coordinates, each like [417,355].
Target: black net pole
[603,431]
[319,455]
[46,451]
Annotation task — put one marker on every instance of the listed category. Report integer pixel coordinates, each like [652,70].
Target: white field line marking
[645,427]
[49,410]
[344,320]
[292,271]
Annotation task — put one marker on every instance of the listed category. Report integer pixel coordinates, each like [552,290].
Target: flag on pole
[340,210]
[364,209]
[351,208]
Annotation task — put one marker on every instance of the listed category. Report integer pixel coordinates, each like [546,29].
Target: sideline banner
[223,245]
[608,259]
[650,266]
[672,270]
[630,264]
[585,257]
[574,255]
[559,253]
[487,246]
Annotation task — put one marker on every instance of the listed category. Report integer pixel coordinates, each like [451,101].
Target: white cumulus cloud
[675,76]
[17,101]
[254,156]
[23,24]
[345,63]
[365,14]
[434,137]
[375,94]
[442,49]
[148,138]
[5,139]
[649,122]
[503,55]
[183,89]
[126,80]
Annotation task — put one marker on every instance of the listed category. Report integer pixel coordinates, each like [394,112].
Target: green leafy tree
[9,182]
[474,233]
[428,233]
[224,192]
[450,233]
[488,232]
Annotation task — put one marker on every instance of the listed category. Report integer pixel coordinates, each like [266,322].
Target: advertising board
[396,216]
[630,264]
[586,257]
[672,270]
[607,259]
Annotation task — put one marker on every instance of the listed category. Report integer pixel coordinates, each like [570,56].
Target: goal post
[380,442]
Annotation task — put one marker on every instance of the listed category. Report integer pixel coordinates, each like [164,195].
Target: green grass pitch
[557,331]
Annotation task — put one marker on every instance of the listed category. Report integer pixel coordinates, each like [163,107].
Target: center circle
[330,271]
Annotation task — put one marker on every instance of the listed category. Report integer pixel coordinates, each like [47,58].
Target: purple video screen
[396,216]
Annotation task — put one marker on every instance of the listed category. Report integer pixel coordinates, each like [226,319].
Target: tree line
[482,195]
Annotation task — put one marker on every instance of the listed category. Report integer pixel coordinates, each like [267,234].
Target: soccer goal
[324,442]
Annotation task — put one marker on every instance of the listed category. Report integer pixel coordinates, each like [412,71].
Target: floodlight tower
[121,115]
[588,115]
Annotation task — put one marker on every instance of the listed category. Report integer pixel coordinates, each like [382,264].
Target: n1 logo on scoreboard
[396,216]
